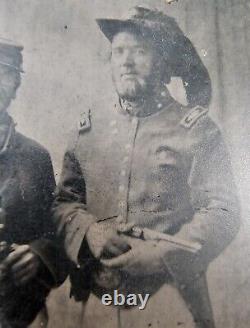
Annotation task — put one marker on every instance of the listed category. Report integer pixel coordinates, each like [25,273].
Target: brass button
[115,131]
[134,120]
[121,188]
[69,219]
[123,173]
[125,160]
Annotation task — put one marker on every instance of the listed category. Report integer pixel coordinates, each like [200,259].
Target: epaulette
[85,121]
[192,116]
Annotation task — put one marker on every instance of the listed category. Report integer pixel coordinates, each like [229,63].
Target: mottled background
[66,68]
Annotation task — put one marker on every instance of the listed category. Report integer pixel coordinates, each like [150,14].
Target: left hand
[23,264]
[104,239]
[144,258]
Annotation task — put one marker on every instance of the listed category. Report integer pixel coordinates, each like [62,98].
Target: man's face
[133,65]
[9,82]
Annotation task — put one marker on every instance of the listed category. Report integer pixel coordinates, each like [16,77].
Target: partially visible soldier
[30,260]
[150,162]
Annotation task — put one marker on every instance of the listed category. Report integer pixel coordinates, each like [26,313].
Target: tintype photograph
[124,164]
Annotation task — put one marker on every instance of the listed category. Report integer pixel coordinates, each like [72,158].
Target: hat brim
[181,54]
[110,27]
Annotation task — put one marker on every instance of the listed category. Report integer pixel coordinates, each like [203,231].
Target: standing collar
[161,101]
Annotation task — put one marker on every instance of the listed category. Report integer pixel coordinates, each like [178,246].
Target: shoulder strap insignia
[192,116]
[85,121]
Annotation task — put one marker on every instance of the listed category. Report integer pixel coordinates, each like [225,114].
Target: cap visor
[18,69]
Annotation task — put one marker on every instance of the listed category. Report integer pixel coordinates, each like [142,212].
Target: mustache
[129,72]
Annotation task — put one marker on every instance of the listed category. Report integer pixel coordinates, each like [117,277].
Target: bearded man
[146,198]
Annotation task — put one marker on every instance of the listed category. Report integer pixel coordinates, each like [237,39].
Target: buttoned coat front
[167,170]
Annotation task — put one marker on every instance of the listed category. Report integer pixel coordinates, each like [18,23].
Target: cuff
[77,226]
[48,273]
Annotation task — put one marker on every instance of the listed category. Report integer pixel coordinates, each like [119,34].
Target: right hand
[22,264]
[104,239]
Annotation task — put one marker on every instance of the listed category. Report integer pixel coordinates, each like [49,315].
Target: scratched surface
[66,67]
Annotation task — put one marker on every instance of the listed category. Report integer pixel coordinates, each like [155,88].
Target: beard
[132,89]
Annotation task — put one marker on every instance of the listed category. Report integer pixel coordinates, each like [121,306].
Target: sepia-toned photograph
[124,164]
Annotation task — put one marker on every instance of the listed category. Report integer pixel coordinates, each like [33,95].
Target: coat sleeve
[69,209]
[46,246]
[213,197]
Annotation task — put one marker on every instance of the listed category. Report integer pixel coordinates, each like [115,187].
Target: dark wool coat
[26,191]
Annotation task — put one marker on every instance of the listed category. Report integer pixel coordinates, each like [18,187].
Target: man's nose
[128,58]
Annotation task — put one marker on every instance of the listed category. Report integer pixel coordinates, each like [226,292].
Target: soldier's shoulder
[81,127]
[29,145]
[193,116]
[31,149]
[197,119]
[199,127]
[95,113]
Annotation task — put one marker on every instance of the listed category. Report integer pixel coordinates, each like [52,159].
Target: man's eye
[118,51]
[140,51]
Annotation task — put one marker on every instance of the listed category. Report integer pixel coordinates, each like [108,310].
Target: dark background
[66,68]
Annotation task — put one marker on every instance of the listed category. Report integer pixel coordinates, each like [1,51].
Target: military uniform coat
[26,192]
[167,169]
